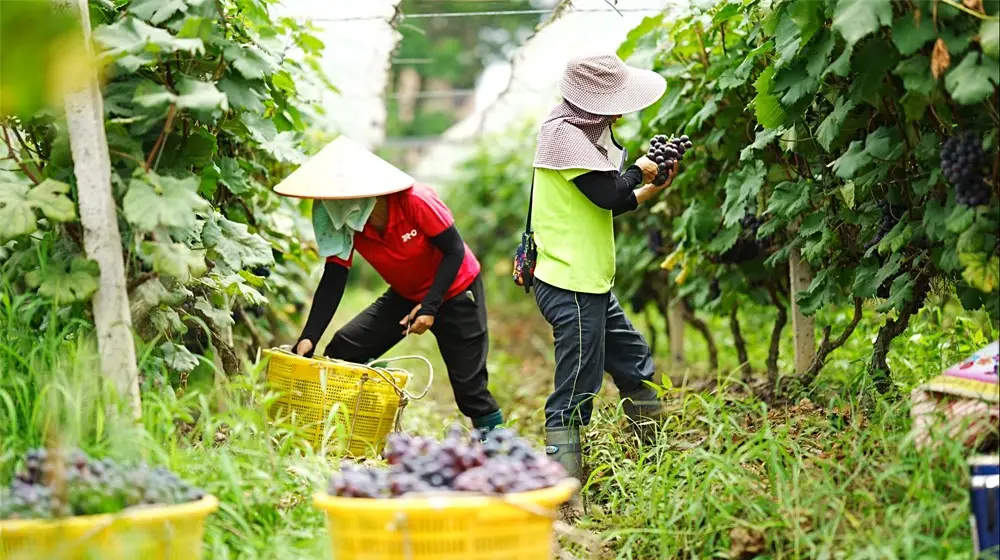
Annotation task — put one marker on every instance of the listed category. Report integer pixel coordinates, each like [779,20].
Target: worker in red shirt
[408,235]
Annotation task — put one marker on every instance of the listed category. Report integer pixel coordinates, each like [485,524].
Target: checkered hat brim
[605,85]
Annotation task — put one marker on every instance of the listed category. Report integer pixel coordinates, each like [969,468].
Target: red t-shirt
[404,255]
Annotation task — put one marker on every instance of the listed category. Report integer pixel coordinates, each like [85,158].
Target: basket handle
[391,381]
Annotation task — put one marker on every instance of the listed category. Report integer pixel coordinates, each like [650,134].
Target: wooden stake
[803,328]
[101,238]
[675,328]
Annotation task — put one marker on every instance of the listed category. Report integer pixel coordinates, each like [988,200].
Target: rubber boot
[563,446]
[488,423]
[644,410]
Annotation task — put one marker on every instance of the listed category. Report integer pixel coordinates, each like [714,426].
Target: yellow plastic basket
[445,527]
[318,394]
[153,533]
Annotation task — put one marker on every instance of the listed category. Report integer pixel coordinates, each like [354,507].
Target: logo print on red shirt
[409,235]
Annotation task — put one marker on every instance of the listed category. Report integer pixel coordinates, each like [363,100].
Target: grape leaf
[236,286]
[696,223]
[16,216]
[888,270]
[946,258]
[884,144]
[989,38]
[820,56]
[866,282]
[710,108]
[800,85]
[972,80]
[197,149]
[49,196]
[728,12]
[221,318]
[234,245]
[789,199]
[736,77]
[873,61]
[764,137]
[157,11]
[961,219]
[242,95]
[847,192]
[909,33]
[856,19]
[284,147]
[842,65]
[195,95]
[132,43]
[64,286]
[260,127]
[980,271]
[855,158]
[807,18]
[829,129]
[251,63]
[916,74]
[725,239]
[786,40]
[178,358]
[935,221]
[922,187]
[741,187]
[815,247]
[900,292]
[167,321]
[175,259]
[821,291]
[813,224]
[233,176]
[154,201]
[767,108]
[896,239]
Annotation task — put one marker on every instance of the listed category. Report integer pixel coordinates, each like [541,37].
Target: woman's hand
[304,347]
[416,325]
[646,192]
[649,169]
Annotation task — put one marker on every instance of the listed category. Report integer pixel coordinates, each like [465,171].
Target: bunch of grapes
[498,463]
[92,487]
[963,160]
[747,247]
[666,152]
[890,217]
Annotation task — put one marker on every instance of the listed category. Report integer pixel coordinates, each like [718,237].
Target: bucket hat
[604,85]
[344,170]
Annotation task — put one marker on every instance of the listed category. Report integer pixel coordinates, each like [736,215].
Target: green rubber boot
[488,423]
[563,446]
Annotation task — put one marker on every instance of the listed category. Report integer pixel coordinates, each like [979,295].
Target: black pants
[461,333]
[592,336]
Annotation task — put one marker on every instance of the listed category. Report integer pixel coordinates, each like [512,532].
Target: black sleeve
[450,243]
[325,303]
[611,191]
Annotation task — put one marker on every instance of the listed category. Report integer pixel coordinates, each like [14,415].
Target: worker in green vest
[578,189]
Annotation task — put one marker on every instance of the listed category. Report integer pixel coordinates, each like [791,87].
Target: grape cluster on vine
[666,152]
[92,486]
[498,463]
[963,161]
[748,246]
[890,217]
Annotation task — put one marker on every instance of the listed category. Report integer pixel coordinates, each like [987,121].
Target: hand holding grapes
[648,168]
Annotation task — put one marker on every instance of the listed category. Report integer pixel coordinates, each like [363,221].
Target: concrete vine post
[803,328]
[675,330]
[101,237]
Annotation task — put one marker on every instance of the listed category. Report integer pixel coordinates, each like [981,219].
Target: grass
[831,476]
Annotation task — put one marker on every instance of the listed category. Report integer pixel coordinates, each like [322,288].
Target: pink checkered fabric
[595,90]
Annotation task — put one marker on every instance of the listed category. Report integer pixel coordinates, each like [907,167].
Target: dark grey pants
[461,333]
[593,336]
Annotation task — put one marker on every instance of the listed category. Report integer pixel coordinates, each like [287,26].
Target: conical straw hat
[343,170]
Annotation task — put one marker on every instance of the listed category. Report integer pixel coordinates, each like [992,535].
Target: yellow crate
[445,527]
[367,400]
[154,533]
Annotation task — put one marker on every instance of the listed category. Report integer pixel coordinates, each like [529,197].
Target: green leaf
[710,108]
[764,137]
[200,96]
[980,271]
[133,43]
[907,36]
[157,11]
[935,221]
[768,110]
[234,245]
[971,81]
[242,94]
[900,292]
[807,18]
[178,358]
[799,85]
[64,286]
[961,219]
[175,259]
[916,74]
[829,129]
[196,150]
[786,40]
[921,188]
[847,192]
[884,144]
[167,321]
[915,106]
[236,286]
[233,176]
[16,216]
[250,62]
[154,201]
[789,199]
[725,239]
[989,38]
[820,55]
[896,239]
[260,127]
[821,291]
[855,158]
[742,187]
[815,247]
[50,197]
[873,61]
[765,81]
[726,13]
[856,19]
[696,224]
[866,281]
[738,76]
[888,270]
[220,319]
[842,65]
[284,147]
[813,224]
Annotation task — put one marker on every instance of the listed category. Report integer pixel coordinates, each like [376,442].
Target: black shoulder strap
[531,200]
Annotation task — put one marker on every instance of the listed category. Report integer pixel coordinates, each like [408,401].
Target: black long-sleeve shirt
[331,286]
[610,190]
